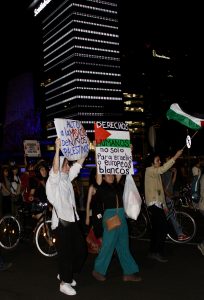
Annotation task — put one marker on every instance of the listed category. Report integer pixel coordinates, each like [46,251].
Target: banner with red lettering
[74,139]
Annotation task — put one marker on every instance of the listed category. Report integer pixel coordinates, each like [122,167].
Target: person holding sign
[110,194]
[70,242]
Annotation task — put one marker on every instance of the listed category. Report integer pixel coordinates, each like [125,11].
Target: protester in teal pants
[109,189]
[115,239]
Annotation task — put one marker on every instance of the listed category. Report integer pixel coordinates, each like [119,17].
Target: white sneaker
[67,289]
[73,283]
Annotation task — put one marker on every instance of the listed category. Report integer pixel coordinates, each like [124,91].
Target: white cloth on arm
[60,194]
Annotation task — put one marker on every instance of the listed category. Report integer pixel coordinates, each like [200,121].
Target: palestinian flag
[177,114]
[113,137]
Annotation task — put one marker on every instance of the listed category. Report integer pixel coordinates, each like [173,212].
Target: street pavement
[33,276]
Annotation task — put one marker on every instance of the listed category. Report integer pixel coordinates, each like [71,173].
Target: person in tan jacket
[155,200]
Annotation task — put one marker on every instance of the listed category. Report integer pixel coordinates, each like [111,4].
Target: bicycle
[185,197]
[13,229]
[138,228]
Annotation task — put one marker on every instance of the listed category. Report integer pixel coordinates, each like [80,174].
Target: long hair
[150,159]
[38,173]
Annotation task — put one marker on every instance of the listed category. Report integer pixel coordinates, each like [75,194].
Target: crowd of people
[104,198]
[22,190]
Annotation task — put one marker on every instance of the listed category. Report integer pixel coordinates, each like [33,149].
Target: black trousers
[72,250]
[6,205]
[159,229]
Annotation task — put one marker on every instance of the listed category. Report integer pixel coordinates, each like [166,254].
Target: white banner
[31,148]
[74,140]
[113,150]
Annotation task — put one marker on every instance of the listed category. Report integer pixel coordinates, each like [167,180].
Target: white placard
[113,149]
[74,139]
[31,148]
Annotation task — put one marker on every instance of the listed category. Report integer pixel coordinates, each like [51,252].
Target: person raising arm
[70,242]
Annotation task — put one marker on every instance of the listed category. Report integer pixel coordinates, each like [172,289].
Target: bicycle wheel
[188,226]
[10,231]
[45,240]
[138,228]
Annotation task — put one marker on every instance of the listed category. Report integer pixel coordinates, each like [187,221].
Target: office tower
[81,61]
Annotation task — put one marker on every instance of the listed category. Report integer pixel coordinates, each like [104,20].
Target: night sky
[19,38]
[141,24]
[170,29]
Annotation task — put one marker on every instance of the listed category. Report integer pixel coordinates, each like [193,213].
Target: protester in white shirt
[71,244]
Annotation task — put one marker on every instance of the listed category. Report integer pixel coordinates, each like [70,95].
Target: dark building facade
[81,76]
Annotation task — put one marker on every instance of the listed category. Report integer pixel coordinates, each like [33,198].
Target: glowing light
[41,7]
[154,54]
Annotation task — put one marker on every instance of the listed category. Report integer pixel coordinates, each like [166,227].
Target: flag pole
[191,139]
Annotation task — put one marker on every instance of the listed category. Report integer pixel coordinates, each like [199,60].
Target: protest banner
[32,148]
[113,149]
[74,139]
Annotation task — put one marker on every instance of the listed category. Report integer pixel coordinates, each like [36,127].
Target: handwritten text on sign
[113,152]
[32,148]
[74,140]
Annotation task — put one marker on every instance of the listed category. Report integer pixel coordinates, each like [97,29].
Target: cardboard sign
[32,148]
[113,151]
[74,140]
